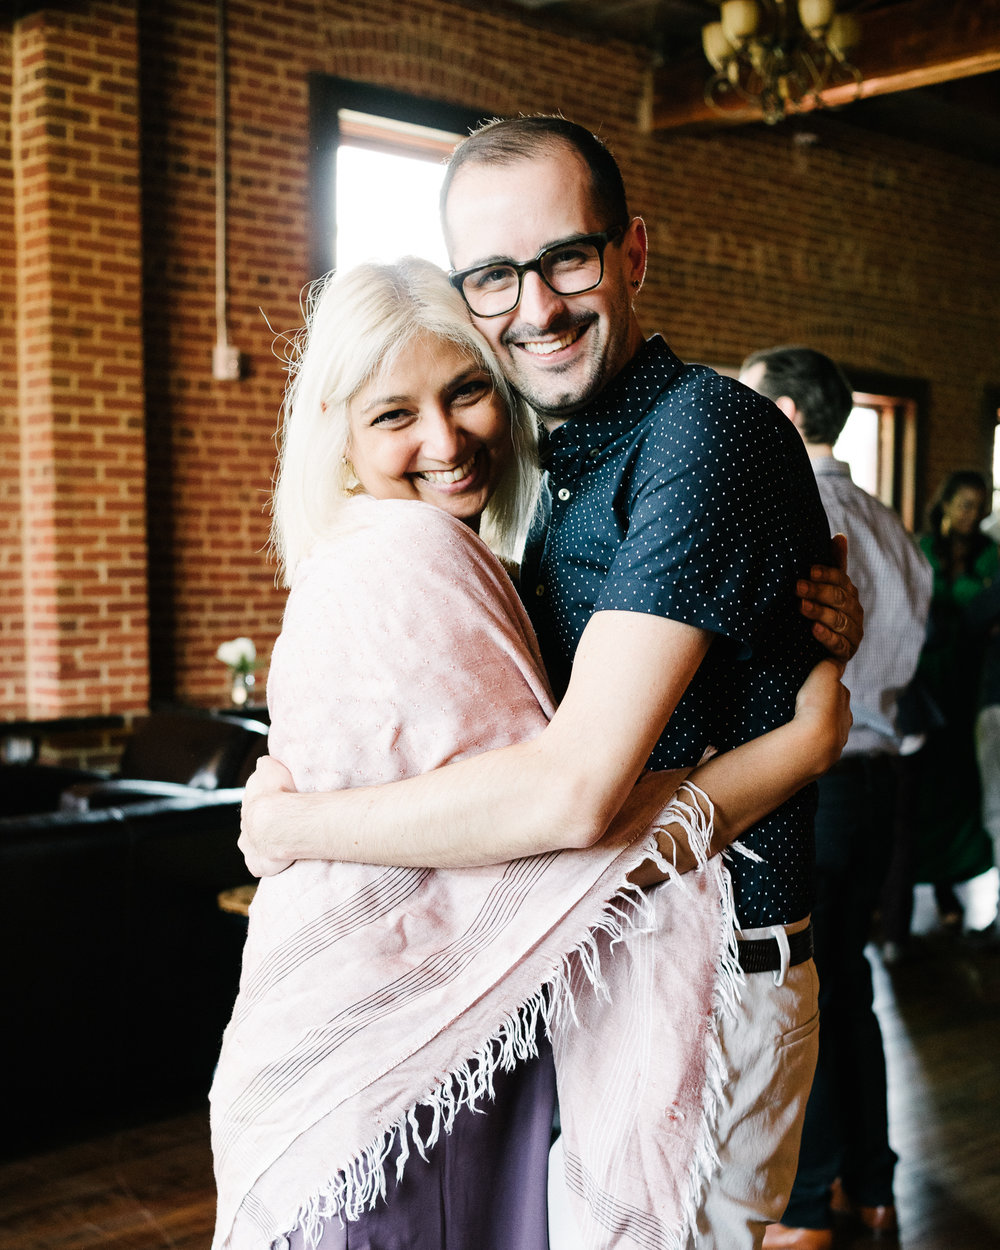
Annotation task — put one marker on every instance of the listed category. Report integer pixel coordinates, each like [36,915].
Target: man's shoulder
[728,433]
[701,407]
[696,384]
[882,554]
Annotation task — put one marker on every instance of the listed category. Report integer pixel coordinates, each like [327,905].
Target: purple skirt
[482,1187]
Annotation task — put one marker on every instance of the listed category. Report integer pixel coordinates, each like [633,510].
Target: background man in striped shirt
[846,1126]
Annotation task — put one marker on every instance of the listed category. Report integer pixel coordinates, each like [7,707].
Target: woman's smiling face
[431,427]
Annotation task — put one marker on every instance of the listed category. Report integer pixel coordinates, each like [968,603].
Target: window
[993,408]
[859,444]
[880,439]
[378,161]
[388,178]
[879,442]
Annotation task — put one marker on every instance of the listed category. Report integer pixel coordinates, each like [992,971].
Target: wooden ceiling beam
[915,44]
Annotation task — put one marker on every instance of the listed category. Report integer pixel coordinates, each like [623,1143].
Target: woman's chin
[467,510]
[466,503]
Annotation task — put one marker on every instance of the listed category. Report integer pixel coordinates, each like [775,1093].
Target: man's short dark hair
[813,382]
[504,141]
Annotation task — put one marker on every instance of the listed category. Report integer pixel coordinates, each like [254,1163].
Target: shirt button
[593,453]
[564,493]
[540,589]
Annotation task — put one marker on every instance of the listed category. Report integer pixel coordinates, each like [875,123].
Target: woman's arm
[564,787]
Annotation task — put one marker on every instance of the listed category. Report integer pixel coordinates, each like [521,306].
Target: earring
[636,284]
[351,482]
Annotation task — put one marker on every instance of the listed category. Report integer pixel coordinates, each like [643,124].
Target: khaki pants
[770,1045]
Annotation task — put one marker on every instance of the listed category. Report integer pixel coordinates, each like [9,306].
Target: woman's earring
[351,483]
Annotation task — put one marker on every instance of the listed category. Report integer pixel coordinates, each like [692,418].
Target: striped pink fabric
[367,991]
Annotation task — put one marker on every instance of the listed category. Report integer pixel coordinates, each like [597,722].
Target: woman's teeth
[445,477]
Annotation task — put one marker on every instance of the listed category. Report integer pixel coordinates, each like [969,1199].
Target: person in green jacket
[953,843]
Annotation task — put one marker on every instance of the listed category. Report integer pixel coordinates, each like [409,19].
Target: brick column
[80,375]
[12,655]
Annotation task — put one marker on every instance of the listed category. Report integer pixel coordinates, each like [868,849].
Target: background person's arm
[564,787]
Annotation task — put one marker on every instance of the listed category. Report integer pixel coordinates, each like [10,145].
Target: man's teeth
[549,346]
[445,477]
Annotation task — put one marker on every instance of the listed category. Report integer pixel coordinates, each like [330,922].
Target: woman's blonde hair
[357,323]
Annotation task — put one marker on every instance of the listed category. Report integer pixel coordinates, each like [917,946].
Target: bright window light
[858,445]
[996,465]
[387,207]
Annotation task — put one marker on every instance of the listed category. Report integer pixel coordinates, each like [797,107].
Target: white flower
[238,653]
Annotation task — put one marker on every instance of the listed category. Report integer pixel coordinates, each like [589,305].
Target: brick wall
[877,251]
[13,692]
[217,445]
[873,250]
[79,385]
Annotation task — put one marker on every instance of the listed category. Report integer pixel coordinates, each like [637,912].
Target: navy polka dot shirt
[682,493]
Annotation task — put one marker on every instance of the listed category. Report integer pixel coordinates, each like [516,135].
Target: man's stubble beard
[537,391]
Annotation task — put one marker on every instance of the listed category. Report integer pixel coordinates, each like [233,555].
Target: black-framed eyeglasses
[569,267]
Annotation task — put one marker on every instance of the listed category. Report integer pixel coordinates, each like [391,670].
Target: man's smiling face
[558,351]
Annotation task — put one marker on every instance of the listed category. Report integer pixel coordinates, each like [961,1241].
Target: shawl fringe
[627,912]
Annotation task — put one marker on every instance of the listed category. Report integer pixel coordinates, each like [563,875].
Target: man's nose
[539,303]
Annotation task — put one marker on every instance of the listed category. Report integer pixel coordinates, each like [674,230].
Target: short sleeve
[714,501]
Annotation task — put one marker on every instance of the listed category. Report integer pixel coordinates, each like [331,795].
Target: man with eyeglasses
[682,517]
[681,512]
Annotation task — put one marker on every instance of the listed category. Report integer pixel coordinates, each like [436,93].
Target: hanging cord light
[779,55]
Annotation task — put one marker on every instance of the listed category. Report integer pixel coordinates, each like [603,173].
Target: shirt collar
[827,466]
[613,411]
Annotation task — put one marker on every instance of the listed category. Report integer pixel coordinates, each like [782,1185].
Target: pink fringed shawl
[367,991]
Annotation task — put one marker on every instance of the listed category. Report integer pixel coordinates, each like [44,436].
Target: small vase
[242,688]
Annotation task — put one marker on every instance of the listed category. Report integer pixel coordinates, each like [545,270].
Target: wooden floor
[151,1188]
[144,1189]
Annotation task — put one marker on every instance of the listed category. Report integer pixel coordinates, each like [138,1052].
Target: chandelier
[778,54]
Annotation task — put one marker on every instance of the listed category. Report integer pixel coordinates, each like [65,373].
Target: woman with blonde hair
[369,317]
[387,1079]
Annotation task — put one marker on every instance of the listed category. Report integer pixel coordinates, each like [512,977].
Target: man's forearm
[560,790]
[749,782]
[745,784]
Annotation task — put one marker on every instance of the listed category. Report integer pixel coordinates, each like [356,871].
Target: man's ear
[790,410]
[635,247]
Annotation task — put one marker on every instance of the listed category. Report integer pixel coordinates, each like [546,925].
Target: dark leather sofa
[170,752]
[120,969]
